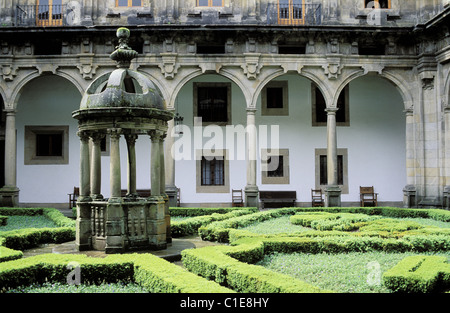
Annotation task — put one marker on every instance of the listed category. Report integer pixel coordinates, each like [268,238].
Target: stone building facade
[350,93]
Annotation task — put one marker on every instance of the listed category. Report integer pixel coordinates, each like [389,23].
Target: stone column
[115,179]
[251,190]
[163,188]
[171,188]
[83,223]
[10,193]
[155,167]
[131,145]
[96,166]
[333,191]
[115,240]
[409,192]
[85,180]
[446,200]
[156,224]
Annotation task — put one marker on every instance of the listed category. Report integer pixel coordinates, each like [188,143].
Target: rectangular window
[46,145]
[128,3]
[322,171]
[275,99]
[275,166]
[212,171]
[212,102]
[319,117]
[49,144]
[277,171]
[377,4]
[210,3]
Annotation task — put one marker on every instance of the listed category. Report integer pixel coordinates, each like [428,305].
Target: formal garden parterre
[419,239]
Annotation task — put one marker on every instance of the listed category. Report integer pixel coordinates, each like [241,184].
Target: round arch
[229,74]
[398,83]
[18,89]
[278,73]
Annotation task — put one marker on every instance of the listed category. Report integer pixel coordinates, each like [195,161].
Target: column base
[409,196]
[251,196]
[9,196]
[446,198]
[333,196]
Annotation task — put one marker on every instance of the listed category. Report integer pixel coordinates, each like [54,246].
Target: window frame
[197,85]
[280,180]
[129,4]
[210,4]
[340,152]
[221,153]
[30,145]
[284,111]
[345,93]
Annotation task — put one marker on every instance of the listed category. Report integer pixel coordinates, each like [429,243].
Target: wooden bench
[280,198]
[367,195]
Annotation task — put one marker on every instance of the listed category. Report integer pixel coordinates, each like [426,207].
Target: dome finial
[123,53]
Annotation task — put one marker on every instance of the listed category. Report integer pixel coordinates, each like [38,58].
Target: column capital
[84,135]
[156,135]
[131,138]
[10,112]
[331,110]
[251,110]
[409,111]
[115,132]
[96,136]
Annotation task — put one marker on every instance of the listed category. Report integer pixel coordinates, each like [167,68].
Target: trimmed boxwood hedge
[150,272]
[181,211]
[220,264]
[191,225]
[419,273]
[31,237]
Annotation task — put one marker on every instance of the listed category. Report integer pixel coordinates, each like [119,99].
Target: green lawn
[344,273]
[20,222]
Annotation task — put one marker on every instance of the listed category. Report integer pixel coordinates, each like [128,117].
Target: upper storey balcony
[57,13]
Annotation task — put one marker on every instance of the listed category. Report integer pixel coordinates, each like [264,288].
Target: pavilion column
[96,167]
[409,192]
[155,163]
[171,189]
[85,180]
[115,179]
[162,187]
[333,191]
[251,190]
[83,223]
[10,193]
[131,145]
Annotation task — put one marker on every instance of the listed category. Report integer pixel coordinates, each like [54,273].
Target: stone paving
[172,253]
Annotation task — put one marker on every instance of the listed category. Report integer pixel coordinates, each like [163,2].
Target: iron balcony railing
[294,12]
[41,15]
